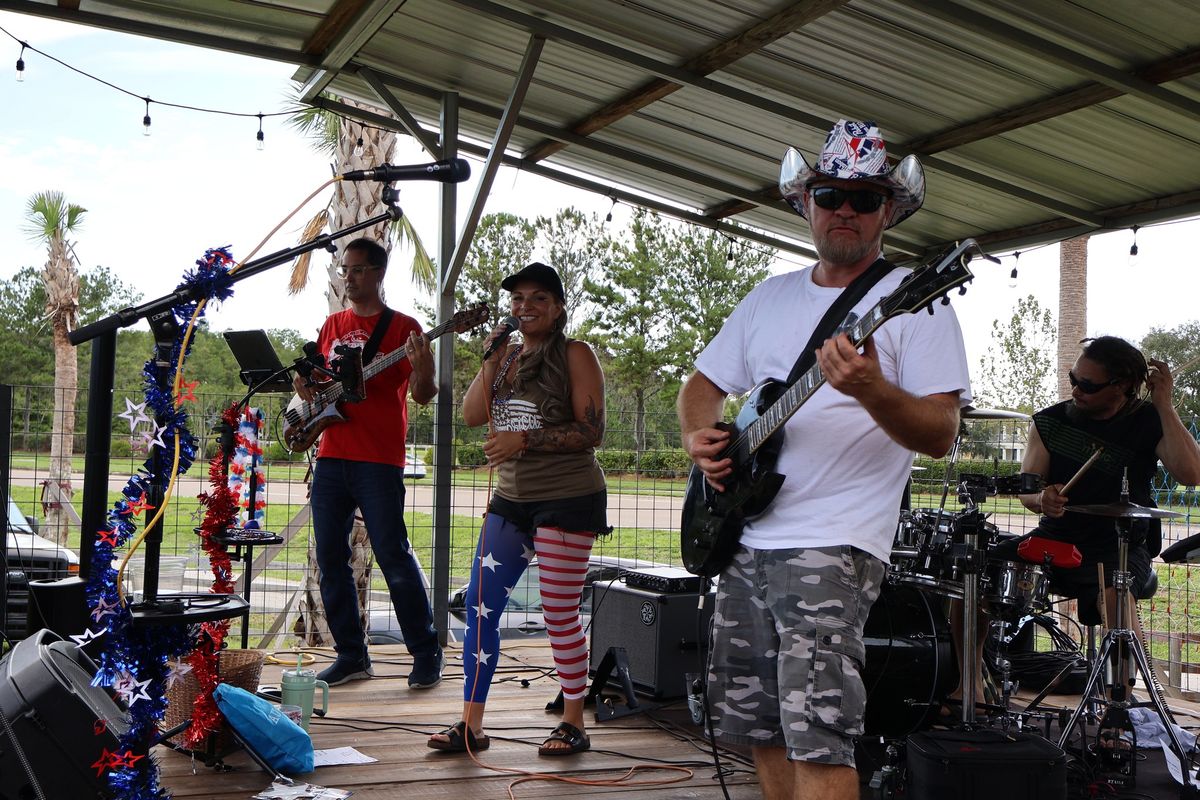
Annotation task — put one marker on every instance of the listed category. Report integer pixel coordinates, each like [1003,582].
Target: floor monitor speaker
[661,634]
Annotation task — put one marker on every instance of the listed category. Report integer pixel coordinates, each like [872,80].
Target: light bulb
[358,148]
[1012,278]
[20,70]
[146,119]
[1133,249]
[259,137]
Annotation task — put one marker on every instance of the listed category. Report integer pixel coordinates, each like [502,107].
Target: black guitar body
[712,521]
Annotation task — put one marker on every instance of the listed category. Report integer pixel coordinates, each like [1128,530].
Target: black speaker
[663,635]
[60,605]
[53,722]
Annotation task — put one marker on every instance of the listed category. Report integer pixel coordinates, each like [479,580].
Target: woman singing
[544,402]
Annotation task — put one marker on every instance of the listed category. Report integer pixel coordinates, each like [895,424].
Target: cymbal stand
[1125,642]
[970,525]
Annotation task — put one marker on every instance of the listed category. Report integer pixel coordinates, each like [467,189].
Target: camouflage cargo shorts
[788,649]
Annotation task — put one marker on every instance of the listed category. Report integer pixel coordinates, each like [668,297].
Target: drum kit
[941,555]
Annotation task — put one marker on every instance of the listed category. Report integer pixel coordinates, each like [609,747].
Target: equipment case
[985,765]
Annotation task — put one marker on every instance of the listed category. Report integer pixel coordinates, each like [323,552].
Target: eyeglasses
[358,272]
[863,201]
[1088,387]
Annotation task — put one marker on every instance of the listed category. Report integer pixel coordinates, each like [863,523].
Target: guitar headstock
[931,280]
[470,317]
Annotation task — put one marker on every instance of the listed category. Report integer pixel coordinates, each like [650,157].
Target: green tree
[576,245]
[1019,368]
[50,219]
[1179,347]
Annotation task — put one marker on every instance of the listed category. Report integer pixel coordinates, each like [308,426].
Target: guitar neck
[796,395]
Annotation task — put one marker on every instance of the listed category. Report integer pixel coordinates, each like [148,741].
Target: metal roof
[1035,121]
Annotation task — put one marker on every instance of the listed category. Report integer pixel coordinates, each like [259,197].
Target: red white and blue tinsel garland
[245,469]
[133,661]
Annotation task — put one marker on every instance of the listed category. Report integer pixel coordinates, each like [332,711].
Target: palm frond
[312,230]
[319,126]
[48,213]
[424,272]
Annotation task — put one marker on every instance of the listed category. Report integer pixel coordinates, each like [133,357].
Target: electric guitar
[712,521]
[304,421]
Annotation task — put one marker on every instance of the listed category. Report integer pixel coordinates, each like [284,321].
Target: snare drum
[1010,588]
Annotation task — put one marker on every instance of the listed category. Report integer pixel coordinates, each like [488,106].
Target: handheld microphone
[451,170]
[509,325]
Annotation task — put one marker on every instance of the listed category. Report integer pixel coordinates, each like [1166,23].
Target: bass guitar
[712,521]
[304,421]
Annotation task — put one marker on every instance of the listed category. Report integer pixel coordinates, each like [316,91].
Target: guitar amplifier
[658,631]
[666,580]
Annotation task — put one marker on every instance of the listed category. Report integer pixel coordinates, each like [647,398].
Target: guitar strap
[372,345]
[837,312]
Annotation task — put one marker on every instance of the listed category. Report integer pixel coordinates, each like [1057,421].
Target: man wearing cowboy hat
[787,638]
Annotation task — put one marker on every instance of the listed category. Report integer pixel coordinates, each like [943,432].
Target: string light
[358,148]
[1133,248]
[146,119]
[608,216]
[259,136]
[1012,276]
[729,252]
[21,63]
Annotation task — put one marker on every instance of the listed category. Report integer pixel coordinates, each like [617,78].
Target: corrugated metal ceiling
[1035,121]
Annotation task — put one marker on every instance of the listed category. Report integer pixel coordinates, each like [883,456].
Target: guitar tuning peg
[962,290]
[946,299]
[929,308]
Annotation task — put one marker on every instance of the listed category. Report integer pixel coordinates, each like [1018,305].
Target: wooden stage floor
[386,720]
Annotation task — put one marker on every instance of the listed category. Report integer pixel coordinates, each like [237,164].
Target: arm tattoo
[570,437]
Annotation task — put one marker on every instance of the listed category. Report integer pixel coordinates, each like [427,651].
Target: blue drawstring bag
[282,743]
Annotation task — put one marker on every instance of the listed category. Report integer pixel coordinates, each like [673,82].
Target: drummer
[1109,408]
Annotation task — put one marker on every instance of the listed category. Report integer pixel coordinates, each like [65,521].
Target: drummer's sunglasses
[863,201]
[1088,387]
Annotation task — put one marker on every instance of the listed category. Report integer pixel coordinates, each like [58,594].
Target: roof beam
[428,140]
[1088,67]
[1174,68]
[717,57]
[569,179]
[344,31]
[754,100]
[491,165]
[167,34]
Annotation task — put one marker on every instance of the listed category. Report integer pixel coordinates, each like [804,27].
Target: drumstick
[1086,466]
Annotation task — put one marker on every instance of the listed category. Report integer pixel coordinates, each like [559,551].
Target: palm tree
[353,145]
[1072,306]
[49,218]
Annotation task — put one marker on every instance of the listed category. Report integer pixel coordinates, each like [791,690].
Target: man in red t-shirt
[360,465]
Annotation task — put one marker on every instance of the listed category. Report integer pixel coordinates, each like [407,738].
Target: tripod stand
[1124,641]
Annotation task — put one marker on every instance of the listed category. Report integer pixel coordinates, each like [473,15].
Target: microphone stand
[98,446]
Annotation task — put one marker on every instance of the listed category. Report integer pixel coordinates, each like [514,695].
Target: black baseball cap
[538,273]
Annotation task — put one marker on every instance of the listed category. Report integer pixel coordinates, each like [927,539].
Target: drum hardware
[1124,641]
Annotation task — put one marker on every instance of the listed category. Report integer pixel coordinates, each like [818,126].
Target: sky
[155,203]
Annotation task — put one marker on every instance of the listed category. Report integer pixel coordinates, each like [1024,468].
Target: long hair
[546,368]
[1120,359]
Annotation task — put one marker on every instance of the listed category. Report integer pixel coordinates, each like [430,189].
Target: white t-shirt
[844,474]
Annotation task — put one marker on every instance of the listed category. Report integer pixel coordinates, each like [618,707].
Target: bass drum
[910,663]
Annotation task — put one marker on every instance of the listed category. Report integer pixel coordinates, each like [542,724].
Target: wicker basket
[240,668]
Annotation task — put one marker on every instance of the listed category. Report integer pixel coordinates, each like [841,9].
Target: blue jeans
[339,487]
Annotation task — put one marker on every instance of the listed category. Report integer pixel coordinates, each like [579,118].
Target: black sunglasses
[863,201]
[1088,387]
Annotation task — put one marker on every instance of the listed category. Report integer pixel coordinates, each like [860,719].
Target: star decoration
[484,656]
[483,610]
[138,506]
[103,761]
[198,515]
[104,607]
[126,759]
[100,726]
[528,552]
[107,537]
[131,689]
[489,563]
[153,437]
[177,673]
[185,392]
[135,413]
[80,639]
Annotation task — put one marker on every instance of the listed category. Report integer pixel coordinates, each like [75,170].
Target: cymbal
[1130,510]
[991,413]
